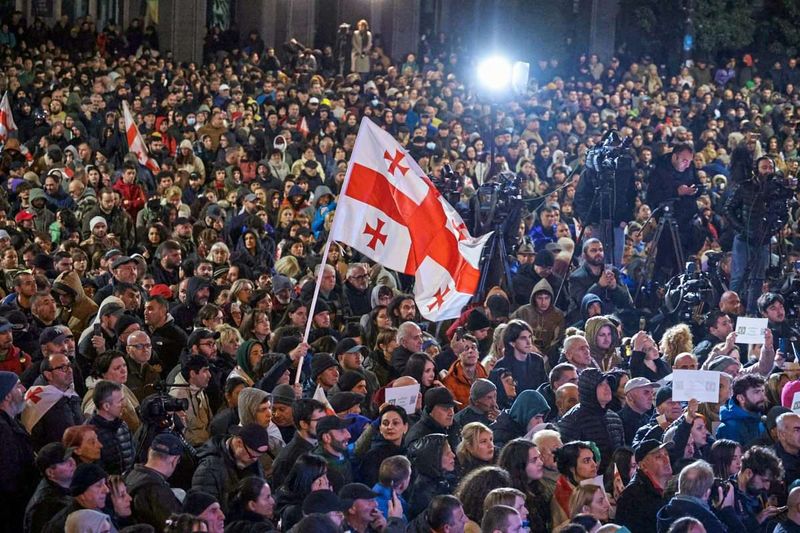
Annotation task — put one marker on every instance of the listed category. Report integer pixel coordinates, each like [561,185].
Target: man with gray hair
[356,289]
[694,489]
[577,353]
[788,446]
[409,341]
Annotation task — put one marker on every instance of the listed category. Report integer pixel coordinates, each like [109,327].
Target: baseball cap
[254,437]
[250,197]
[640,383]
[526,249]
[325,501]
[122,260]
[646,447]
[51,334]
[330,423]
[22,216]
[201,334]
[112,253]
[167,443]
[357,491]
[347,345]
[5,325]
[438,396]
[52,454]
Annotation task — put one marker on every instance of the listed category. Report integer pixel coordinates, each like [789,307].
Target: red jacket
[15,361]
[133,197]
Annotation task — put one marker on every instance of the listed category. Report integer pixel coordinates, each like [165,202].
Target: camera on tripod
[604,157]
[159,407]
[689,294]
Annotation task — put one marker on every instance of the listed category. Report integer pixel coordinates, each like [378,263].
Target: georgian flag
[7,125]
[135,142]
[391,212]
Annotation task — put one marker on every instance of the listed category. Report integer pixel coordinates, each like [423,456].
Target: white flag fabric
[7,124]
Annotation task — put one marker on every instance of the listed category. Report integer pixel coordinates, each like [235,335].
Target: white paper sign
[405,397]
[796,403]
[750,330]
[700,385]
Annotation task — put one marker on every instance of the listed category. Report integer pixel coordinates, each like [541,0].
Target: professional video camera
[498,201]
[780,199]
[604,157]
[689,296]
[157,413]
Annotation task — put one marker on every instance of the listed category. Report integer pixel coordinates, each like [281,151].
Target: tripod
[667,219]
[496,251]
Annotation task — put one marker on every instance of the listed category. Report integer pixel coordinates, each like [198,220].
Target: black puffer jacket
[430,480]
[589,421]
[427,425]
[117,453]
[153,499]
[217,473]
[751,212]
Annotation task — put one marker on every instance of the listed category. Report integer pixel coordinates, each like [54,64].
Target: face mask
[191,121]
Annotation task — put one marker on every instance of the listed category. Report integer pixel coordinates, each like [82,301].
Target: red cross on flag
[7,124]
[391,212]
[135,142]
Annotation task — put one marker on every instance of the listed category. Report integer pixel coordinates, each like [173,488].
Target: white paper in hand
[796,403]
[750,330]
[700,385]
[405,397]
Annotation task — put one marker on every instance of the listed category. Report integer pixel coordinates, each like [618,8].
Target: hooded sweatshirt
[605,359]
[513,423]
[547,326]
[76,316]
[243,369]
[589,421]
[426,456]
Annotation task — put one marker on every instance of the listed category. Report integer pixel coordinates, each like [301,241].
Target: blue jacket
[738,424]
[384,495]
[721,521]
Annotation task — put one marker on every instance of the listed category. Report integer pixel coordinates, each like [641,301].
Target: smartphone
[782,344]
[96,331]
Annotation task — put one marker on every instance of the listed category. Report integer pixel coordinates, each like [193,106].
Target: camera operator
[616,176]
[755,209]
[674,180]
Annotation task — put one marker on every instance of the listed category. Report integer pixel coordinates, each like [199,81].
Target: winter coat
[119,223]
[217,472]
[286,458]
[527,278]
[18,476]
[589,421]
[198,415]
[430,480]
[370,462]
[513,423]
[133,197]
[117,453]
[358,300]
[639,504]
[48,500]
[738,424]
[428,425]
[185,313]
[582,281]
[76,317]
[459,384]
[153,499]
[548,327]
[131,403]
[632,421]
[721,521]
[168,342]
[359,57]
[529,375]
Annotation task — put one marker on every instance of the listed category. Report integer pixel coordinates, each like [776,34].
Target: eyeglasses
[362,276]
[207,343]
[142,346]
[62,368]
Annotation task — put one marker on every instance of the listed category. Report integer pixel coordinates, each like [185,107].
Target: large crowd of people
[154,374]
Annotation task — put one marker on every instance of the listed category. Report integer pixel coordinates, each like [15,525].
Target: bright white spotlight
[494,73]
